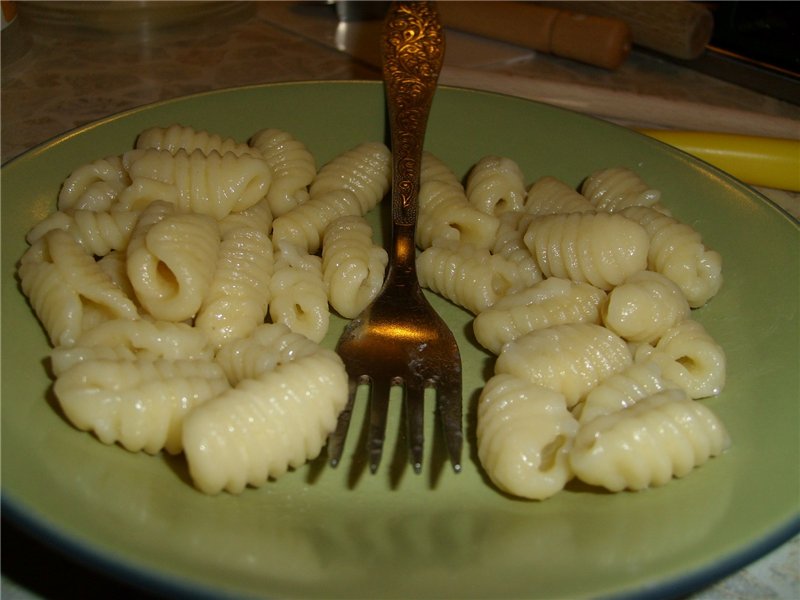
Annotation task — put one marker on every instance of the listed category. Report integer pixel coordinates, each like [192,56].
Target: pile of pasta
[585,297]
[186,286]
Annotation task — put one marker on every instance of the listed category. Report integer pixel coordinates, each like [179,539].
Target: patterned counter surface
[63,70]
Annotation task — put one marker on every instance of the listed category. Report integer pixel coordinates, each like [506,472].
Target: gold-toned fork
[400,340]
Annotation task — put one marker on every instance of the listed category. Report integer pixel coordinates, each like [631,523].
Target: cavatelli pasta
[621,390]
[470,277]
[365,170]
[293,168]
[571,358]
[171,260]
[352,266]
[689,357]
[143,191]
[305,225]
[524,437]
[599,248]
[616,188]
[139,403]
[553,301]
[267,424]
[677,251]
[297,290]
[432,168]
[98,232]
[660,437]
[94,186]
[180,137]
[549,196]
[69,292]
[212,184]
[237,299]
[644,307]
[495,185]
[445,215]
[510,244]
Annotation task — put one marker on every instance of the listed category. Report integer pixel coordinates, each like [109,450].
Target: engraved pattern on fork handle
[413,52]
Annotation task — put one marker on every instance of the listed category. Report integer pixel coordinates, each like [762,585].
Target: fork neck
[402,260]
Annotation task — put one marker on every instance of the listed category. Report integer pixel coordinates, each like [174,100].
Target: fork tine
[448,404]
[337,439]
[378,408]
[415,418]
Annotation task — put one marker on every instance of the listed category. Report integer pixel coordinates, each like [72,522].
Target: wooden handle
[676,28]
[590,39]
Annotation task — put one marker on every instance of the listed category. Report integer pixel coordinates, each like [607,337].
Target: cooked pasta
[495,185]
[94,186]
[616,188]
[68,290]
[644,307]
[599,248]
[180,137]
[97,231]
[677,251]
[549,196]
[510,244]
[141,404]
[271,422]
[365,170]
[293,168]
[142,191]
[571,358]
[524,436]
[171,260]
[445,215]
[689,357]
[660,437]
[470,277]
[212,184]
[297,290]
[352,266]
[237,299]
[553,301]
[432,168]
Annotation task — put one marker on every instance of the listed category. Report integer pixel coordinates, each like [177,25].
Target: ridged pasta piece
[432,168]
[495,185]
[67,289]
[510,244]
[293,168]
[571,358]
[621,390]
[94,186]
[553,301]
[677,251]
[445,215]
[98,232]
[599,248]
[143,191]
[305,225]
[365,170]
[214,184]
[616,188]
[180,137]
[238,297]
[658,438]
[353,267]
[644,307]
[470,277]
[270,422]
[524,437]
[297,290]
[689,357]
[141,404]
[114,264]
[140,339]
[549,196]
[171,259]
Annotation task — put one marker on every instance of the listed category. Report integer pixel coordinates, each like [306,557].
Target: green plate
[323,532]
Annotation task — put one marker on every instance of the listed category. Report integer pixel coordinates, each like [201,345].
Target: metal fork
[400,339]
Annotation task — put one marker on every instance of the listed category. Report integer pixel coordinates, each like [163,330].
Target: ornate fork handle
[413,51]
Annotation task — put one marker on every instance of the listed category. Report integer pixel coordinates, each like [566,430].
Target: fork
[399,339]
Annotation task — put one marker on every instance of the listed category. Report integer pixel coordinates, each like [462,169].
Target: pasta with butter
[94,186]
[495,185]
[549,196]
[97,231]
[445,215]
[180,137]
[617,188]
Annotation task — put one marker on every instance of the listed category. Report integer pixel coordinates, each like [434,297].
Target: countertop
[61,70]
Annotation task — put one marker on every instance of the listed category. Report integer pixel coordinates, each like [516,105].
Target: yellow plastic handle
[768,162]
